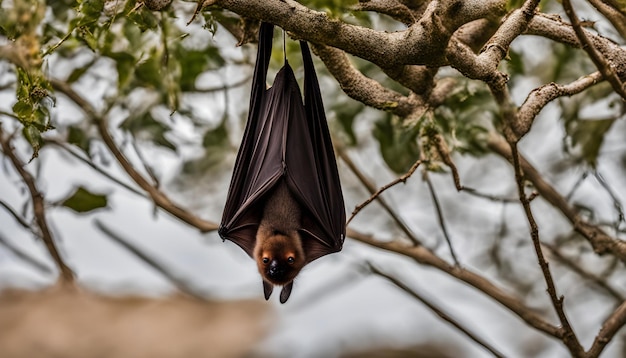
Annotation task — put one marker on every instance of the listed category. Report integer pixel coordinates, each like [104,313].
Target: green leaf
[79,138]
[146,127]
[589,135]
[149,72]
[83,201]
[345,112]
[398,144]
[125,64]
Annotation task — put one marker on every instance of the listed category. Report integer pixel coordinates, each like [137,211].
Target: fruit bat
[284,206]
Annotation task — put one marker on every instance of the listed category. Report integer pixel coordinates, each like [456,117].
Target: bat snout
[276,271]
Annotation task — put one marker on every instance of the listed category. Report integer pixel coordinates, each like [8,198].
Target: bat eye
[290,259]
[266,260]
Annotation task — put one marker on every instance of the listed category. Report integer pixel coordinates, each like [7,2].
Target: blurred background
[174,97]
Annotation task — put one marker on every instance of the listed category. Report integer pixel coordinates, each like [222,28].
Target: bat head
[279,256]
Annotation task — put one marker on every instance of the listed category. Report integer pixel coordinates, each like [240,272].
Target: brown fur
[278,239]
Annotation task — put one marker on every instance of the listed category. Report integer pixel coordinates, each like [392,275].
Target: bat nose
[274,269]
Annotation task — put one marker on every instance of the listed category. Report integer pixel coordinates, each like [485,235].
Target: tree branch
[601,63]
[372,189]
[401,179]
[611,326]
[569,337]
[539,97]
[67,276]
[601,242]
[179,283]
[159,198]
[438,311]
[426,257]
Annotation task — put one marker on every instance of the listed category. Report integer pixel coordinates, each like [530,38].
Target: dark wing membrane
[318,187]
[240,218]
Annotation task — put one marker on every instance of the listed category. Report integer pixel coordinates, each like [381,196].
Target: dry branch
[159,198]
[601,242]
[438,311]
[67,276]
[426,257]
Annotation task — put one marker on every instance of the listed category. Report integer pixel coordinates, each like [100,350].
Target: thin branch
[93,165]
[159,198]
[616,202]
[440,217]
[610,327]
[426,257]
[617,18]
[401,179]
[438,311]
[593,278]
[601,242]
[67,276]
[598,59]
[20,220]
[25,257]
[372,189]
[569,337]
[179,282]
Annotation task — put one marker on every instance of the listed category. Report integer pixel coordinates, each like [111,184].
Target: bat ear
[267,289]
[286,292]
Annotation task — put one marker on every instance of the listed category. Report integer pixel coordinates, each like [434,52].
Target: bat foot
[286,292]
[267,289]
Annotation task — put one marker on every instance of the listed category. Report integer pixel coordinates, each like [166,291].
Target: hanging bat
[278,251]
[284,202]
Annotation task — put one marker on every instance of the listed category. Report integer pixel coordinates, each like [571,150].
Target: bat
[278,251]
[284,201]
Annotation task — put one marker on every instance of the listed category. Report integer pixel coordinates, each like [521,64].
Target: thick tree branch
[67,276]
[539,97]
[421,44]
[361,88]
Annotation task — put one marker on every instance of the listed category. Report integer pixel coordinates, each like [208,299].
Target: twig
[159,198]
[178,282]
[372,189]
[598,59]
[616,203]
[569,337]
[67,276]
[610,327]
[597,280]
[440,216]
[600,241]
[438,311]
[20,220]
[401,179]
[93,165]
[424,256]
[25,257]
[144,163]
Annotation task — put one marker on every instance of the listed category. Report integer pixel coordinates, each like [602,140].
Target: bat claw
[267,290]
[286,292]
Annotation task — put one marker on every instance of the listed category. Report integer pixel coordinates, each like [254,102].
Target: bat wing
[286,138]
